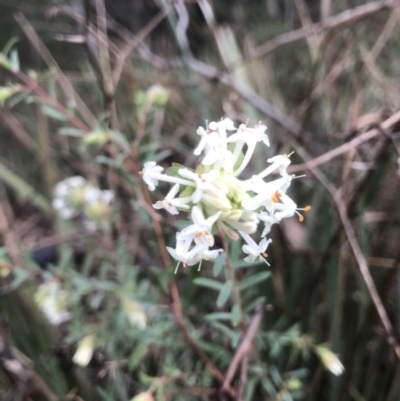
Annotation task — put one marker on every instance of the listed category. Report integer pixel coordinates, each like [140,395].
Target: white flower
[268,220]
[280,162]
[75,197]
[329,359]
[203,182]
[200,230]
[150,174]
[213,193]
[204,136]
[64,209]
[252,249]
[65,187]
[266,193]
[170,203]
[249,136]
[214,143]
[85,349]
[52,300]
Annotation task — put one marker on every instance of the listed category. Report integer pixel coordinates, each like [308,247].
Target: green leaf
[68,131]
[53,113]
[219,316]
[224,293]
[258,301]
[173,170]
[235,315]
[209,283]
[137,355]
[14,60]
[233,335]
[218,264]
[10,44]
[23,190]
[254,279]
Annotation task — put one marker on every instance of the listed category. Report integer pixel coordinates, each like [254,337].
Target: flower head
[75,197]
[217,198]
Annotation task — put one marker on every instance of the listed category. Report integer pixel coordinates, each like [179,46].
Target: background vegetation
[78,98]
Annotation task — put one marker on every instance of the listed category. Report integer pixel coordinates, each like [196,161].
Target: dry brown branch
[366,136]
[339,21]
[64,83]
[362,264]
[243,378]
[22,372]
[8,235]
[244,347]
[134,42]
[11,122]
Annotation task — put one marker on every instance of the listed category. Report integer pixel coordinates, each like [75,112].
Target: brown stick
[244,346]
[346,18]
[362,264]
[366,136]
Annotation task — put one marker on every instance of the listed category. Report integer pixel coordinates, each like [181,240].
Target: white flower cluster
[216,197]
[52,300]
[75,197]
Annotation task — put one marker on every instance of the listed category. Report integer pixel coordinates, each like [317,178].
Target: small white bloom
[280,162]
[203,140]
[329,359]
[65,187]
[170,203]
[268,220]
[200,230]
[250,135]
[64,209]
[265,192]
[84,352]
[150,174]
[203,182]
[252,249]
[52,300]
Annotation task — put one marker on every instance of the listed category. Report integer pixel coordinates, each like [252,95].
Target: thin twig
[366,136]
[346,18]
[244,346]
[362,263]
[35,87]
[64,83]
[243,378]
[134,42]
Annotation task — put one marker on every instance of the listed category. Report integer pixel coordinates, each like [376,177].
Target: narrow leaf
[209,283]
[23,190]
[218,264]
[254,279]
[224,293]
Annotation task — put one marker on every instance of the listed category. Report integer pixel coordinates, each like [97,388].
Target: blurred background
[90,307]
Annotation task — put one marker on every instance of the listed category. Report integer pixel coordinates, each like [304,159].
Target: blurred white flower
[329,359]
[75,197]
[84,352]
[52,300]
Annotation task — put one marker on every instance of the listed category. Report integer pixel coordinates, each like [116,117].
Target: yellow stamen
[275,197]
[307,208]
[301,218]
[265,254]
